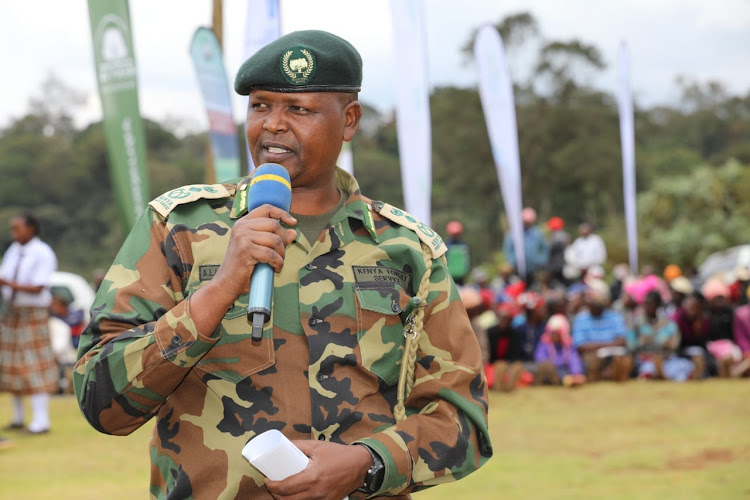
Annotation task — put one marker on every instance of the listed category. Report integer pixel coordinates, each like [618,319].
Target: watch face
[373,478]
[375,474]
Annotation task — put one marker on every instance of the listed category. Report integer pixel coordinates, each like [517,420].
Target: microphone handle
[259,303]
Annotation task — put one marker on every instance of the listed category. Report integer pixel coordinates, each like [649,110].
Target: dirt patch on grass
[703,459]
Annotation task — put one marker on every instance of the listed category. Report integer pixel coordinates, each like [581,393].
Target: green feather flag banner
[118,89]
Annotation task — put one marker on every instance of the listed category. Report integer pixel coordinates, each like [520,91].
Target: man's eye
[299,109]
[258,105]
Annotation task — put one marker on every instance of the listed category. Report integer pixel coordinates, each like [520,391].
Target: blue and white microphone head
[270,185]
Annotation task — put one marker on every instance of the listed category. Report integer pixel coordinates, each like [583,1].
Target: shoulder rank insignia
[187,194]
[428,236]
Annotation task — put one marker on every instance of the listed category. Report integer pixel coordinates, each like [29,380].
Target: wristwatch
[375,474]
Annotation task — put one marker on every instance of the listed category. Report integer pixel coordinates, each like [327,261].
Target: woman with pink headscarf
[558,360]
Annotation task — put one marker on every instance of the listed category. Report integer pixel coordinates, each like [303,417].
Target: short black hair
[32,221]
[654,297]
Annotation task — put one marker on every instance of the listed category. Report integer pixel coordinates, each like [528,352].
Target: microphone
[269,185]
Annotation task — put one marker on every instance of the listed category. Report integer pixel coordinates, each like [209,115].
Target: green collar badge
[298,65]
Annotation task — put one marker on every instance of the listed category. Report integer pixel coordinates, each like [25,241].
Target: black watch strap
[375,474]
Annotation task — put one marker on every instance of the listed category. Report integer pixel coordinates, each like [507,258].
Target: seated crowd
[658,327]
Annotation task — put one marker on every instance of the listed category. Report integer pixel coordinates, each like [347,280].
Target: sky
[700,39]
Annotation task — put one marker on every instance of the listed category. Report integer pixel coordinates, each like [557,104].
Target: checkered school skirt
[27,363]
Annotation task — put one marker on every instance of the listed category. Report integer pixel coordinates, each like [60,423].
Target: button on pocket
[235,356]
[380,330]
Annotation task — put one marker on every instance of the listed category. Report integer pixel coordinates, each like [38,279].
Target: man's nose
[275,121]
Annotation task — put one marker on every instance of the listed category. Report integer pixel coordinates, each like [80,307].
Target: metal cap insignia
[298,65]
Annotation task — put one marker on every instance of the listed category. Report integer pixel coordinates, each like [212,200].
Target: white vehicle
[76,287]
[725,263]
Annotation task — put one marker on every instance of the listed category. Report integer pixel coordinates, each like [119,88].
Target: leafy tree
[465,182]
[61,175]
[684,218]
[514,29]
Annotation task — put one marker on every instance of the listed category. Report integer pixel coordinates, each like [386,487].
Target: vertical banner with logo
[118,89]
[262,26]
[413,107]
[498,105]
[209,68]
[627,142]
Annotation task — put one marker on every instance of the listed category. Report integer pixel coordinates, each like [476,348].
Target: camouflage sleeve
[445,435]
[141,341]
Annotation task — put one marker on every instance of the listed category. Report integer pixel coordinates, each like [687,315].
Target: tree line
[691,162]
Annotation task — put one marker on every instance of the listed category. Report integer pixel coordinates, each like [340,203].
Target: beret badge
[298,65]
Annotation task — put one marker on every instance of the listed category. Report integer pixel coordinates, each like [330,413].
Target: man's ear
[352,114]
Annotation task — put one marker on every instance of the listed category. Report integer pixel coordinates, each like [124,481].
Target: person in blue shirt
[536,249]
[599,335]
[528,327]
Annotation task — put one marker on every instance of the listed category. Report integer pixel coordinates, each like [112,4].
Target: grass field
[640,440]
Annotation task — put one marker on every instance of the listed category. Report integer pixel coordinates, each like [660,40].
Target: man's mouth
[276,149]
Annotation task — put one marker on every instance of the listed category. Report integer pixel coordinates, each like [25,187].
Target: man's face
[302,131]
[595,305]
[692,306]
[20,231]
[650,307]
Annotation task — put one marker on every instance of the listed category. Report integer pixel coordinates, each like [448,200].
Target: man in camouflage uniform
[357,284]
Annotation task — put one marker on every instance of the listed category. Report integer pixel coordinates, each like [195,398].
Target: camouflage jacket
[328,367]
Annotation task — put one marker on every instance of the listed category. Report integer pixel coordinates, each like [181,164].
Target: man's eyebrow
[287,100]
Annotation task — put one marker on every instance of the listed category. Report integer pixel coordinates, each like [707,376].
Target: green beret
[302,61]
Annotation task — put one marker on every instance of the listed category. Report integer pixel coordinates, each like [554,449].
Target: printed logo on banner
[116,69]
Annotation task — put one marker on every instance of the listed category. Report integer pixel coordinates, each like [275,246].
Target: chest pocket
[235,356]
[380,329]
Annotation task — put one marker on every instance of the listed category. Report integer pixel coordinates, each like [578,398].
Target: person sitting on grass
[741,330]
[720,337]
[503,339]
[557,360]
[528,327]
[694,324]
[599,335]
[474,306]
[653,341]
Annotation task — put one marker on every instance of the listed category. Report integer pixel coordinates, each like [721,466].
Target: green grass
[640,440]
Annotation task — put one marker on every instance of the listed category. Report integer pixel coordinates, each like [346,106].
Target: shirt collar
[356,207]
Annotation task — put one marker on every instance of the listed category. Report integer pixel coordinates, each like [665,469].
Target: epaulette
[426,234]
[187,194]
